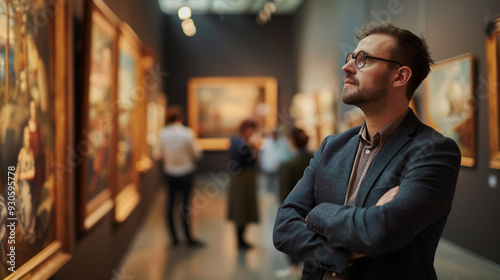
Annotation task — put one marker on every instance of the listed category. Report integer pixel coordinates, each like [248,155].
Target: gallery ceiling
[228,6]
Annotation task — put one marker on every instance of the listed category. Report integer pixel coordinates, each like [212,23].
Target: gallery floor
[151,257]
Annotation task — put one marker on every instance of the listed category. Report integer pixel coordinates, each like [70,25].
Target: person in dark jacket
[242,197]
[290,173]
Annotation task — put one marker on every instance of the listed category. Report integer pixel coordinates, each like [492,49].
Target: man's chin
[348,98]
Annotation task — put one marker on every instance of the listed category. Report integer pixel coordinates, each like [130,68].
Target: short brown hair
[174,114]
[248,123]
[409,50]
[299,138]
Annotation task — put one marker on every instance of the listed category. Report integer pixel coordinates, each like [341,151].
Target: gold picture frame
[150,85]
[94,127]
[36,102]
[493,59]
[126,136]
[449,103]
[217,105]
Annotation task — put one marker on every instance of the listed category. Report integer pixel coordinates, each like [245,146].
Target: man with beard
[374,200]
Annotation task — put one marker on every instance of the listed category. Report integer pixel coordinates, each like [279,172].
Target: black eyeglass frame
[366,57]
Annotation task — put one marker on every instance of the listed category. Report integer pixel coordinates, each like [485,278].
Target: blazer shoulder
[425,133]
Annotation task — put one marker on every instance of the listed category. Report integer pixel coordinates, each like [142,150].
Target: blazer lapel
[395,142]
[344,169]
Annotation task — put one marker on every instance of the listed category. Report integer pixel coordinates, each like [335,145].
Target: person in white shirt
[179,151]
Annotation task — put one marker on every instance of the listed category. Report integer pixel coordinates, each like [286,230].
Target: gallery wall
[97,253]
[452,28]
[227,45]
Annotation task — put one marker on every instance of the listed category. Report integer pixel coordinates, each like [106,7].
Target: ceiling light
[190,32]
[184,12]
[188,23]
[263,17]
[188,27]
[270,7]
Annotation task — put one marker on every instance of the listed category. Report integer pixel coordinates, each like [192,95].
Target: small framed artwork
[156,114]
[36,136]
[316,113]
[127,137]
[449,103]
[217,105]
[95,123]
[493,59]
[305,111]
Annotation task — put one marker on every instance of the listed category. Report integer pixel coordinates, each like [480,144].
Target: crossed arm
[334,232]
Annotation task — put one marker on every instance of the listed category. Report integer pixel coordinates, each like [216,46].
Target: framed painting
[95,123]
[449,108]
[35,109]
[149,84]
[127,149]
[493,58]
[217,105]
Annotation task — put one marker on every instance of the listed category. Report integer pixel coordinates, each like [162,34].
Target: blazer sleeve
[293,237]
[425,196]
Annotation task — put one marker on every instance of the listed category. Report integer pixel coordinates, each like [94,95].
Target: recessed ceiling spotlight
[184,12]
[270,7]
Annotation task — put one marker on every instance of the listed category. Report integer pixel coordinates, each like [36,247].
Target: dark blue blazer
[400,237]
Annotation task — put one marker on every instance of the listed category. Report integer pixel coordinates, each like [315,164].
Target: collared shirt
[179,149]
[366,153]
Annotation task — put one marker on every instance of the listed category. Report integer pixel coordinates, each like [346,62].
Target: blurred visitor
[180,152]
[242,197]
[290,173]
[273,152]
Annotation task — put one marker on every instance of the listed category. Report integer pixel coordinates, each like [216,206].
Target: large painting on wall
[493,58]
[449,107]
[95,197]
[35,174]
[217,105]
[127,148]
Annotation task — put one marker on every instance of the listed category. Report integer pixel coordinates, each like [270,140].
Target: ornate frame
[492,57]
[126,193]
[145,162]
[101,21]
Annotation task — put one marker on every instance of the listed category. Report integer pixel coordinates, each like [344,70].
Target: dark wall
[228,45]
[452,28]
[97,253]
[474,219]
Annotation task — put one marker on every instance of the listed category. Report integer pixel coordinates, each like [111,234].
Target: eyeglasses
[361,57]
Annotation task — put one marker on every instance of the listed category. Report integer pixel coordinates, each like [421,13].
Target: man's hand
[355,256]
[388,196]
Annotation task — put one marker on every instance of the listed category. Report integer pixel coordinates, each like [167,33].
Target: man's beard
[367,94]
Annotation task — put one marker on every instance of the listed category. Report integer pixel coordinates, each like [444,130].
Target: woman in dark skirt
[242,197]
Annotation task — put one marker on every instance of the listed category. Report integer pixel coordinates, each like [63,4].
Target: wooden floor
[151,257]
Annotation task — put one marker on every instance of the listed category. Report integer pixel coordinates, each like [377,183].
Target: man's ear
[403,76]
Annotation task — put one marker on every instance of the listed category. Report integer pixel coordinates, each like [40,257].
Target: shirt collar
[381,136]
